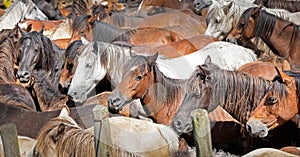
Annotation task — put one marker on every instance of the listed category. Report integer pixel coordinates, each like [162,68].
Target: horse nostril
[177,123]
[115,100]
[75,93]
[26,74]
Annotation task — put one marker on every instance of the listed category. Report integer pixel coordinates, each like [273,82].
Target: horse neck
[163,97]
[237,93]
[283,30]
[12,16]
[115,56]
[238,10]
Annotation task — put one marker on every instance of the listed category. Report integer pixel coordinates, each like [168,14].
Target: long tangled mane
[8,57]
[166,90]
[72,49]
[80,23]
[237,93]
[264,26]
[74,142]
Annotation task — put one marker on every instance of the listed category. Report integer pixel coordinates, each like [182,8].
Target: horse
[264,67]
[47,96]
[159,94]
[279,104]
[150,7]
[18,11]
[24,118]
[97,60]
[72,54]
[38,52]
[38,24]
[59,137]
[16,95]
[178,48]
[292,6]
[209,86]
[280,35]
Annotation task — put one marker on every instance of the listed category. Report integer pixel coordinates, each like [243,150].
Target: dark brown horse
[8,61]
[237,93]
[160,95]
[290,5]
[16,95]
[49,8]
[47,96]
[29,122]
[281,36]
[279,105]
[38,52]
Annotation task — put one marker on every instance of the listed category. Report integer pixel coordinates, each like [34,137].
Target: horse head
[137,78]
[198,95]
[280,104]
[31,48]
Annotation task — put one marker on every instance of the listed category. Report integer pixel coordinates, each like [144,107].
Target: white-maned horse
[18,11]
[62,137]
[102,59]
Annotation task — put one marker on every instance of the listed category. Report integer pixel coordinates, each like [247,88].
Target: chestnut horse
[161,96]
[280,35]
[150,7]
[280,104]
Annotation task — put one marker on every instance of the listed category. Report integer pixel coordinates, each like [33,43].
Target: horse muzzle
[115,103]
[257,128]
[23,76]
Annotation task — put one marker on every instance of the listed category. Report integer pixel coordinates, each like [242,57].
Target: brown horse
[178,48]
[72,53]
[46,95]
[290,5]
[265,67]
[150,7]
[16,95]
[280,104]
[281,36]
[160,95]
[38,24]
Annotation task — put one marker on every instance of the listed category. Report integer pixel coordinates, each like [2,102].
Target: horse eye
[36,50]
[88,65]
[272,100]
[139,78]
[69,66]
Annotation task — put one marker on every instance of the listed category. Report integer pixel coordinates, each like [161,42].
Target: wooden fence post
[9,137]
[202,136]
[103,144]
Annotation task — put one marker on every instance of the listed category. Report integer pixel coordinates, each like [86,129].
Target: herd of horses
[156,61]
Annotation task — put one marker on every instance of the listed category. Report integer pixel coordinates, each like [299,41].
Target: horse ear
[132,54]
[208,59]
[42,30]
[84,40]
[22,32]
[283,77]
[256,11]
[56,132]
[227,7]
[153,58]
[65,112]
[29,28]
